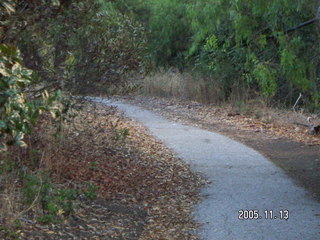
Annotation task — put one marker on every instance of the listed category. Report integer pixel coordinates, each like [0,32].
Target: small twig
[293,108]
[32,204]
[301,25]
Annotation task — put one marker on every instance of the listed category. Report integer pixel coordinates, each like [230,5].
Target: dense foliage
[169,29]
[243,48]
[18,112]
[243,45]
[80,46]
[77,45]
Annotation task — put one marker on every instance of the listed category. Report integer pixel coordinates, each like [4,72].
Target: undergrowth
[192,85]
[31,186]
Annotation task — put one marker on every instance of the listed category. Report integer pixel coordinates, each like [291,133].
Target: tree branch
[301,25]
[304,23]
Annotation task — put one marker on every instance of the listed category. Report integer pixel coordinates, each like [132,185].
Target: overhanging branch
[304,23]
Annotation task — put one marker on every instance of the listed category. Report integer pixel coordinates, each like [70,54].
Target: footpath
[248,196]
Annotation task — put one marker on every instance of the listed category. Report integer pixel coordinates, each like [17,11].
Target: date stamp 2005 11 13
[267,214]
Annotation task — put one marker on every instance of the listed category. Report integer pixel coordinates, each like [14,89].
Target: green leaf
[3,147]
[21,144]
[70,60]
[3,124]
[10,51]
[55,3]
[262,40]
[53,114]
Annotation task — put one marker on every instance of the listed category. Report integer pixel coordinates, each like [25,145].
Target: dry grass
[186,85]
[10,199]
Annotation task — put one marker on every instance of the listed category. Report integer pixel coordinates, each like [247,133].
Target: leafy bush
[18,113]
[55,202]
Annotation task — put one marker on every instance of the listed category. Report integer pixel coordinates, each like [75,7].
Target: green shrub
[55,202]
[91,191]
[18,113]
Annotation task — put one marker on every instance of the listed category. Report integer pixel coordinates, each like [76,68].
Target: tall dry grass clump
[185,85]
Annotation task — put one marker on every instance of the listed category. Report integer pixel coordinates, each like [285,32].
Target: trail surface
[241,179]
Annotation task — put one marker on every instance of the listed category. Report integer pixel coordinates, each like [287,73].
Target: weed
[47,219]
[65,199]
[122,134]
[54,201]
[11,232]
[31,188]
[241,106]
[34,157]
[93,165]
[91,191]
[7,165]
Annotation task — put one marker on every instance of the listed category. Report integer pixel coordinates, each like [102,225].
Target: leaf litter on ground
[144,191]
[273,123]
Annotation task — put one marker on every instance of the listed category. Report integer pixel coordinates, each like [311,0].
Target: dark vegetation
[245,49]
[224,51]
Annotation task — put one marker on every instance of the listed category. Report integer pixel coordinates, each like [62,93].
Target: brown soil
[286,144]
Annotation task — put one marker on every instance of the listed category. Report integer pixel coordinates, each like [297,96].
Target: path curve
[240,177]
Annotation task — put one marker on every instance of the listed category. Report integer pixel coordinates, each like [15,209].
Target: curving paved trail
[240,178]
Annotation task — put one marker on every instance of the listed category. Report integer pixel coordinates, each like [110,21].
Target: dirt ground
[285,143]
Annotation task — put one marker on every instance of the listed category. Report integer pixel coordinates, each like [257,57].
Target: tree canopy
[245,48]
